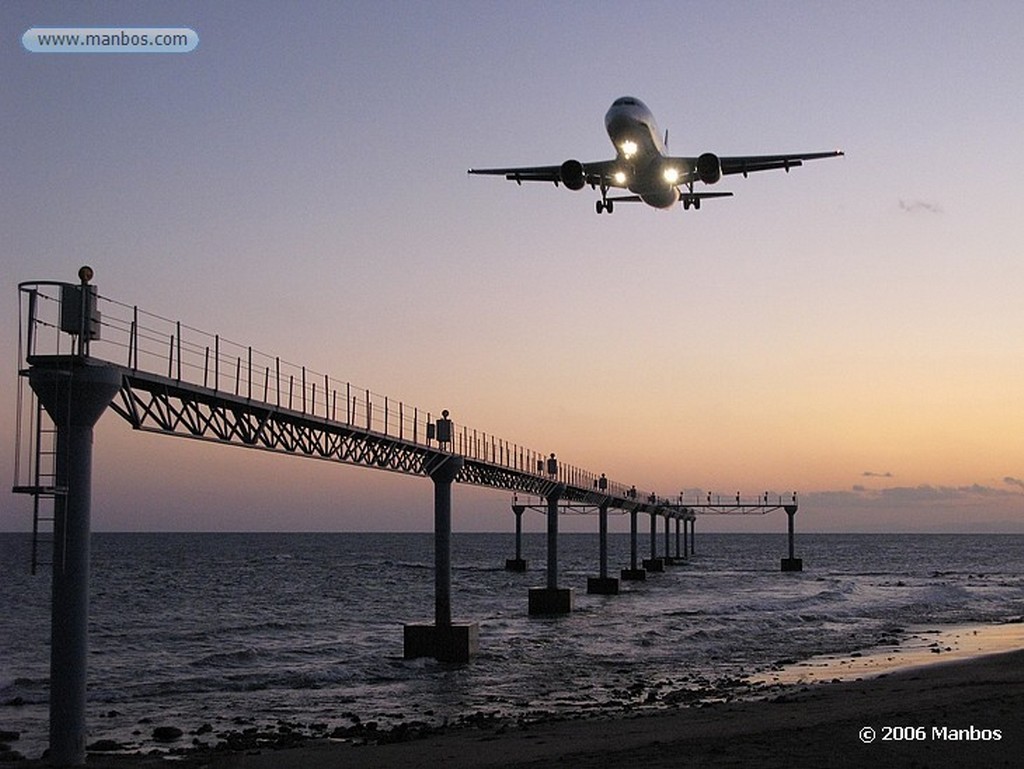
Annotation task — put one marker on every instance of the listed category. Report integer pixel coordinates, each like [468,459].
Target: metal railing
[140,341]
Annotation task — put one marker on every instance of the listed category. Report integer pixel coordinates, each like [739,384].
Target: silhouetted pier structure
[85,353]
[682,512]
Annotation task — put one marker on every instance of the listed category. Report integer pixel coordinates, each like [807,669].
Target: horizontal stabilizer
[691,196]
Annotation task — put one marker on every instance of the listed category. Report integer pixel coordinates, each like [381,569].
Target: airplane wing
[750,163]
[746,164]
[595,174]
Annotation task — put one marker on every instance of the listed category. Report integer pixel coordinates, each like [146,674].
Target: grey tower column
[74,394]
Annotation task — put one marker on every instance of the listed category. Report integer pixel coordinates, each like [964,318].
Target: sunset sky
[851,330]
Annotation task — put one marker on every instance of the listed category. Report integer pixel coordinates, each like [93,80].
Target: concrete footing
[515,564]
[654,564]
[792,564]
[670,561]
[634,575]
[550,600]
[451,643]
[602,586]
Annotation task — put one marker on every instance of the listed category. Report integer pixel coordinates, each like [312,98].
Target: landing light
[671,175]
[620,177]
[629,148]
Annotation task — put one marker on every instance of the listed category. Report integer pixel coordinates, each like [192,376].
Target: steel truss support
[155,404]
[158,404]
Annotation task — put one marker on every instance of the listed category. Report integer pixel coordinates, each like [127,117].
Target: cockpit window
[626,101]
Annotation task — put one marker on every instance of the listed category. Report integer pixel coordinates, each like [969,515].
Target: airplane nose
[615,121]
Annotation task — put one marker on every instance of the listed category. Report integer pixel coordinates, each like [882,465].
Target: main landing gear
[689,199]
[604,204]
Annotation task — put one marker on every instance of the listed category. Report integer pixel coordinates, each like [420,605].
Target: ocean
[259,629]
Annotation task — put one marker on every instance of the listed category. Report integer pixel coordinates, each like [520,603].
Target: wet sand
[915,647]
[947,714]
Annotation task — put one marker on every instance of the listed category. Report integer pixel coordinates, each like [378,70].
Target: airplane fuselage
[640,151]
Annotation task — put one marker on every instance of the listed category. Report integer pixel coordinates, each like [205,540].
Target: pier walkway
[81,352]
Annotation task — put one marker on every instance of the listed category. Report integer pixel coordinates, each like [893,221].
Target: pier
[81,353]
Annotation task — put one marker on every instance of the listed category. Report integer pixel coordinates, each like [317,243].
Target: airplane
[643,166]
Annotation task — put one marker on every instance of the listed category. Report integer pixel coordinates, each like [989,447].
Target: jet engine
[709,168]
[572,174]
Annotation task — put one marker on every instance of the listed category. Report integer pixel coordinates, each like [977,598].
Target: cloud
[976,507]
[869,474]
[972,507]
[912,496]
[915,206]
[1014,481]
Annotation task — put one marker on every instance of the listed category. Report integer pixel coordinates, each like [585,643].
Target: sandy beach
[947,714]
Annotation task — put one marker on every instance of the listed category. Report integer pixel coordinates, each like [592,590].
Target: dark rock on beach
[104,746]
[167,733]
[8,754]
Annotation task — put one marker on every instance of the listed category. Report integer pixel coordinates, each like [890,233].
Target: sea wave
[206,629]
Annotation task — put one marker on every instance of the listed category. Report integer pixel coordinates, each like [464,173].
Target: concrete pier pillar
[551,599]
[603,584]
[669,560]
[654,563]
[442,475]
[517,563]
[693,534]
[633,572]
[602,530]
[552,543]
[443,640]
[792,563]
[686,538]
[678,556]
[74,395]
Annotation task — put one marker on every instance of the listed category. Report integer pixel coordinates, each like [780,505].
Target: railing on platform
[141,341]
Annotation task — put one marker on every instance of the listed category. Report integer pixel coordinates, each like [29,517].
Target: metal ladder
[42,475]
